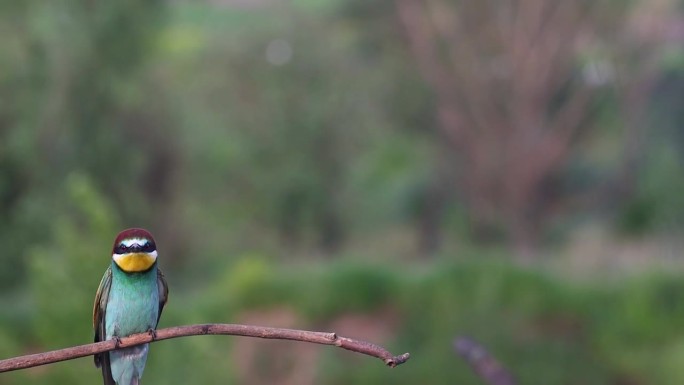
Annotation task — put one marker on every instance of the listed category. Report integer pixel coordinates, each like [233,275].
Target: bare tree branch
[484,365]
[511,97]
[357,346]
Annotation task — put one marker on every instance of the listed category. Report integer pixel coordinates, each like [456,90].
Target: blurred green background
[400,171]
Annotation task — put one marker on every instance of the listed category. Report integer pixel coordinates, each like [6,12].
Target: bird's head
[134,250]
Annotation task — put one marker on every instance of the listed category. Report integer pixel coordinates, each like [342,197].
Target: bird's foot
[153,333]
[117,342]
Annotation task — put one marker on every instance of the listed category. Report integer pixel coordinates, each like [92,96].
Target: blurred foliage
[294,130]
[543,328]
[62,277]
[78,102]
[287,155]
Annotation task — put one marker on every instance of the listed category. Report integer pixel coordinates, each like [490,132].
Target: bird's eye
[148,247]
[121,249]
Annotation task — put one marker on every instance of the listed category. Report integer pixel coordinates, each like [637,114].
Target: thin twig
[358,346]
[483,363]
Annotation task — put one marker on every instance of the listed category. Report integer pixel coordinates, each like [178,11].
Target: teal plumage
[128,302]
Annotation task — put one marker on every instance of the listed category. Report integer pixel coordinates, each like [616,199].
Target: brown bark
[71,353]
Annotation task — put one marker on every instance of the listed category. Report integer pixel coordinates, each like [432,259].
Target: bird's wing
[100,305]
[99,324]
[163,292]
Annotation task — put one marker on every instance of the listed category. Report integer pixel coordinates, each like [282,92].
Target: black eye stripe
[146,247]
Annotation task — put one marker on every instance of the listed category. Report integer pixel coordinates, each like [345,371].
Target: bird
[129,300]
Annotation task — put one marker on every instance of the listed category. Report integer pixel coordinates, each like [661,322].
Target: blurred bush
[258,139]
[543,328]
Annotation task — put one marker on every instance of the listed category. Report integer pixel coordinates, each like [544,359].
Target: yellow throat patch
[134,262]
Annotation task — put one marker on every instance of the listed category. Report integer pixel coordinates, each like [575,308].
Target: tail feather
[128,364]
[103,362]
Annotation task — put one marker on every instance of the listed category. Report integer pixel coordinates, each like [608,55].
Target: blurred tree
[516,85]
[509,98]
[15,171]
[98,116]
[77,100]
[652,177]
[65,272]
[288,132]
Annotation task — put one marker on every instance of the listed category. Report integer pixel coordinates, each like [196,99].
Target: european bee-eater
[130,300]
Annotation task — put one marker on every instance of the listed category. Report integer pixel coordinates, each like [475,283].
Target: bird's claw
[117,342]
[152,333]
